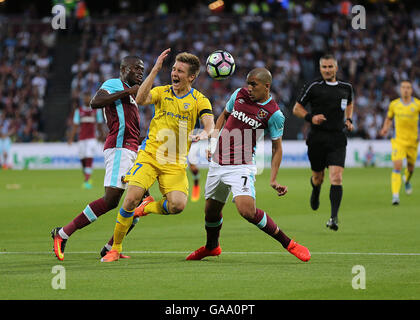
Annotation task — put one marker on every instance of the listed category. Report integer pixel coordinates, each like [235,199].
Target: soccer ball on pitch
[220,65]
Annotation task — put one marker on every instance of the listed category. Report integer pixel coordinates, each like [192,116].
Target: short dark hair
[405,80]
[127,60]
[262,74]
[328,56]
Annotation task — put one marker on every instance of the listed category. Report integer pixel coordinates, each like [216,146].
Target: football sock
[92,211]
[111,241]
[196,176]
[263,221]
[158,207]
[87,168]
[213,227]
[408,175]
[316,188]
[336,194]
[395,182]
[124,221]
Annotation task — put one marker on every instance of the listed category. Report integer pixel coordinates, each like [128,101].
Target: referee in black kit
[331,104]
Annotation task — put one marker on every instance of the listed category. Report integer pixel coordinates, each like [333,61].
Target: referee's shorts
[326,149]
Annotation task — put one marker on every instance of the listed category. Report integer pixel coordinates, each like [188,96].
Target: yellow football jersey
[174,120]
[406,118]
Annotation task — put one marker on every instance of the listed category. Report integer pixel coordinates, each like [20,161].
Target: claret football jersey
[122,118]
[248,122]
[87,118]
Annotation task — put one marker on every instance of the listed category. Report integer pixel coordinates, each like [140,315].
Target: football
[220,65]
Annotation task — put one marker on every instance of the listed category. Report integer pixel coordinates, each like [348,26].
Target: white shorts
[117,162]
[221,180]
[87,148]
[5,144]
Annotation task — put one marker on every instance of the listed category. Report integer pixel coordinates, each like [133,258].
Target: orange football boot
[203,252]
[139,211]
[195,196]
[112,255]
[299,251]
[59,244]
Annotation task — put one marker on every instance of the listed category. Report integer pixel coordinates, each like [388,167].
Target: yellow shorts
[400,152]
[146,170]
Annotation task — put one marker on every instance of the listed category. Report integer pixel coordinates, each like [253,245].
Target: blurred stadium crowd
[288,42]
[26,55]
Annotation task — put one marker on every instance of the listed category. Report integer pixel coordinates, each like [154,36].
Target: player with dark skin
[131,72]
[223,180]
[131,75]
[259,90]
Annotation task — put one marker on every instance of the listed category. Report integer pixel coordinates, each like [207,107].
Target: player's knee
[318,179]
[176,206]
[247,213]
[336,179]
[131,202]
[112,201]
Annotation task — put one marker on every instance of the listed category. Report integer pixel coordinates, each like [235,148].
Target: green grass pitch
[383,239]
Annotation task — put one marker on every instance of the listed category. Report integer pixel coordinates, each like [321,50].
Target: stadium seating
[288,41]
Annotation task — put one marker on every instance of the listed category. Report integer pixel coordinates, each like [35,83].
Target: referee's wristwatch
[349,119]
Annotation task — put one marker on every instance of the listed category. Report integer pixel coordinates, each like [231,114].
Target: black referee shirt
[329,99]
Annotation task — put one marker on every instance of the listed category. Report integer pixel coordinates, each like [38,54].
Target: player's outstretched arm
[208,127]
[277,154]
[143,96]
[220,122]
[102,98]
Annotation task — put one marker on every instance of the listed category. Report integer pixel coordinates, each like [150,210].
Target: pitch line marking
[229,252]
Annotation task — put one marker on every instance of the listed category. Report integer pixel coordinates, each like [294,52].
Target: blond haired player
[405,113]
[163,154]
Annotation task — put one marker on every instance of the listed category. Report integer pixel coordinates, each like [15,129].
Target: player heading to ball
[163,153]
[405,113]
[253,102]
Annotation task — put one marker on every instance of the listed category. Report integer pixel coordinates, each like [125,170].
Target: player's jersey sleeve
[112,86]
[99,117]
[76,117]
[231,101]
[417,102]
[391,111]
[351,95]
[203,106]
[276,125]
[305,95]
